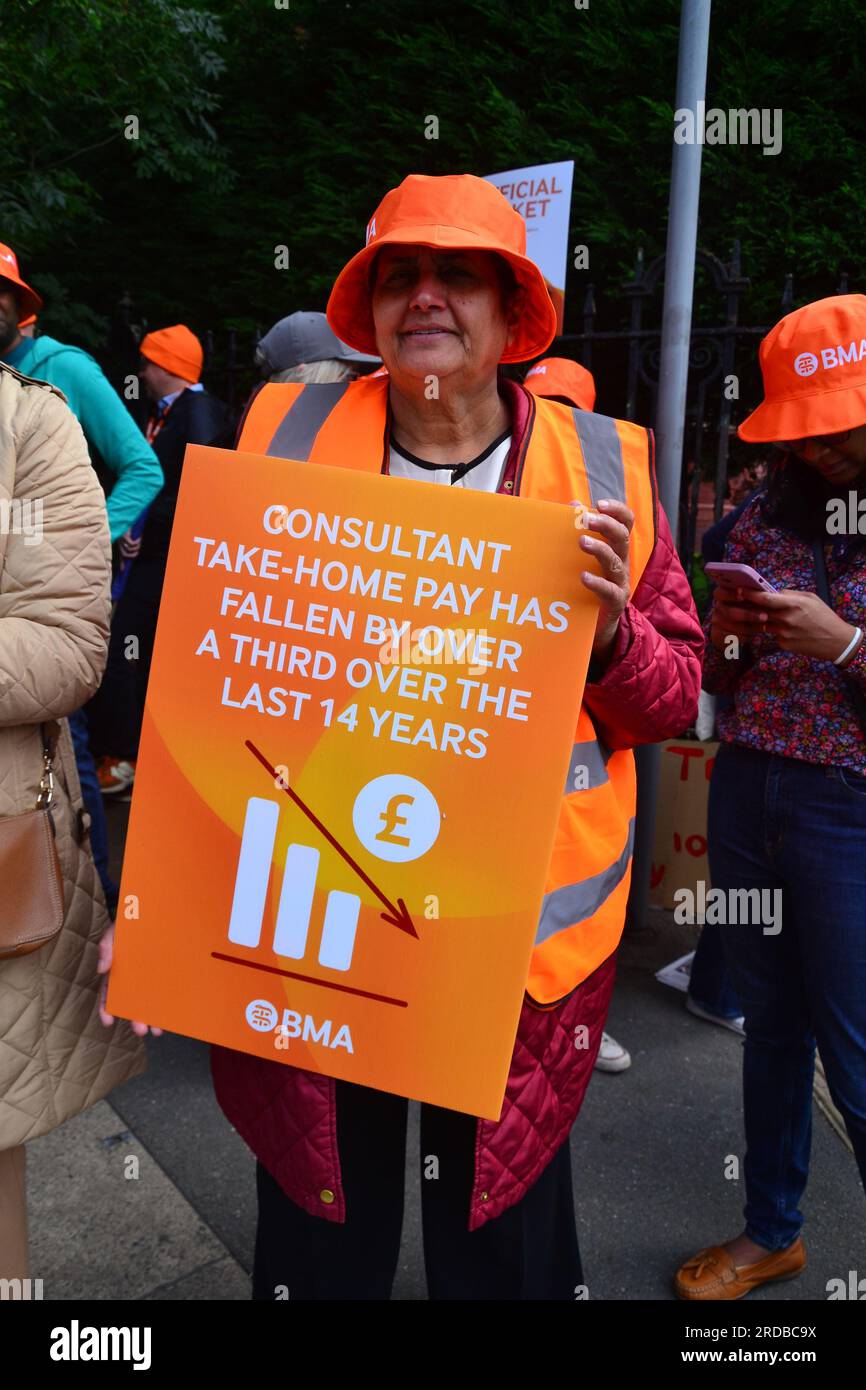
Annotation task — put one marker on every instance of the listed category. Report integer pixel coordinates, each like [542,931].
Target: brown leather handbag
[31,899]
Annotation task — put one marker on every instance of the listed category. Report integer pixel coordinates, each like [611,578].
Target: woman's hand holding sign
[104,964]
[614,521]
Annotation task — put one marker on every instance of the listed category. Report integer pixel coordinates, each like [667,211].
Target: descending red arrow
[397,916]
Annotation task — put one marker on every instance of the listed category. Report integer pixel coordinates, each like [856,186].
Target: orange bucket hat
[814,368]
[562,378]
[29,302]
[176,350]
[454,212]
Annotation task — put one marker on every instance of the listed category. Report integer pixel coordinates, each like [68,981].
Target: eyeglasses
[828,440]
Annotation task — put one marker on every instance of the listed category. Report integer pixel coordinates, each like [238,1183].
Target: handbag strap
[45,796]
[855,694]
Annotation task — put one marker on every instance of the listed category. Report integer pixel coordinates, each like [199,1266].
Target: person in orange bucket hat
[814,368]
[443,292]
[787,808]
[455,212]
[560,379]
[28,301]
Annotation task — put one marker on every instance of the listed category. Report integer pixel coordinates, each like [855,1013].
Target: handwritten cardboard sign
[680,841]
[361,707]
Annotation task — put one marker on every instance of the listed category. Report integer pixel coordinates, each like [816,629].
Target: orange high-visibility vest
[567,455]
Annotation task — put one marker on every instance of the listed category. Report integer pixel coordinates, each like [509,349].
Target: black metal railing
[723,382]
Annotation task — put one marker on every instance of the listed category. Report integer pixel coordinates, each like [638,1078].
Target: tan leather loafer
[712,1273]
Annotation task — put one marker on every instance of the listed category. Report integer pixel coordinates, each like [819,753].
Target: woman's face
[437,313]
[10,313]
[839,458]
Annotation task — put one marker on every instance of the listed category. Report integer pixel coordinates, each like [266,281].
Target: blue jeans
[93,801]
[780,823]
[710,980]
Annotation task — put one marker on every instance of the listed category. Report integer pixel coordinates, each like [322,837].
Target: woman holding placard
[443,291]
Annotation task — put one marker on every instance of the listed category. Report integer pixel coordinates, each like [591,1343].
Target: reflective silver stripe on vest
[602,455]
[575,902]
[592,757]
[296,435]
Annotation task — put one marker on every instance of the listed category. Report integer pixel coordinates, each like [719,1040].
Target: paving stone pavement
[150,1195]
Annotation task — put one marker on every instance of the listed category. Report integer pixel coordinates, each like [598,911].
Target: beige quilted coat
[56,1058]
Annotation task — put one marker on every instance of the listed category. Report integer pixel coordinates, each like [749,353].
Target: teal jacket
[107,424]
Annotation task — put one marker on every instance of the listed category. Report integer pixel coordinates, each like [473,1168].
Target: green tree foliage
[94,96]
[264,125]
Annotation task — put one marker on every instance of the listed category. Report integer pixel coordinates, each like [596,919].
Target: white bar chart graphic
[294,910]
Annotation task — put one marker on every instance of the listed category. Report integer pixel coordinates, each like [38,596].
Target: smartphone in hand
[735,576]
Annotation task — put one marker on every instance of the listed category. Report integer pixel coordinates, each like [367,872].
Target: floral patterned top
[783,702]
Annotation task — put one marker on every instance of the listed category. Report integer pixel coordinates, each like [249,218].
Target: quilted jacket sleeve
[54,581]
[650,688]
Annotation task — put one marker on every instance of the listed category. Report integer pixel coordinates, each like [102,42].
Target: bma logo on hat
[371,231]
[805,364]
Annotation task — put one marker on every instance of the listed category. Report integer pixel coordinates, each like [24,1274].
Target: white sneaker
[612,1056]
[736,1025]
[115,775]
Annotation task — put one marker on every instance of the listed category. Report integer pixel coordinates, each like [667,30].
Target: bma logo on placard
[261,1015]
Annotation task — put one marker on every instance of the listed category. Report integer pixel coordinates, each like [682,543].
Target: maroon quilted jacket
[648,692]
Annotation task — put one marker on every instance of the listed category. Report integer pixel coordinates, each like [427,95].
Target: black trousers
[529,1252]
[116,710]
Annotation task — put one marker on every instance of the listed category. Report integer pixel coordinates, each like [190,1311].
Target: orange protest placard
[361,708]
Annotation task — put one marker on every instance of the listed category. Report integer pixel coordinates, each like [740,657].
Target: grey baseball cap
[305,337]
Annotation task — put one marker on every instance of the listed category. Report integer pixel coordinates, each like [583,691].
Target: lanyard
[156,422]
[154,425]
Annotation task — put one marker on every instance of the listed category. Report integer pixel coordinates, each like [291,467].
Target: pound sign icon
[390,818]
